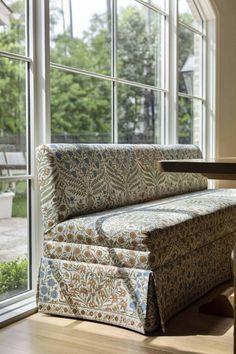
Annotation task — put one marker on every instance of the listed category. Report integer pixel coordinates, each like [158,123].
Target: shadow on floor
[191,322]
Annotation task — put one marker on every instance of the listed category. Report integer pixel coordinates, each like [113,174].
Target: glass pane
[190,62]
[139,44]
[160,4]
[189,121]
[139,115]
[12,26]
[14,239]
[80,108]
[12,117]
[80,34]
[189,14]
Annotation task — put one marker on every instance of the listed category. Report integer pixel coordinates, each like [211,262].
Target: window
[110,66]
[191,42]
[107,71]
[110,71]
[15,173]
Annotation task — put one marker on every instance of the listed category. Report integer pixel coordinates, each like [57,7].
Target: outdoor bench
[124,243]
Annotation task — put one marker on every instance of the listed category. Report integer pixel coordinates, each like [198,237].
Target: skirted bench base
[137,266]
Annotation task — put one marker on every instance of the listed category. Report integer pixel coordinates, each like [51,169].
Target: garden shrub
[13,275]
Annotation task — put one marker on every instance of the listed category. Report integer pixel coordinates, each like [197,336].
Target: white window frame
[114,78]
[209,76]
[25,303]
[40,114]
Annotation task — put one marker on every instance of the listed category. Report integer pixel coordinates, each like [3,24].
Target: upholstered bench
[123,243]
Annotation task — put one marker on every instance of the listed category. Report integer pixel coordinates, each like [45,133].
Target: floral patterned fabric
[149,227]
[186,279]
[135,265]
[80,179]
[106,294]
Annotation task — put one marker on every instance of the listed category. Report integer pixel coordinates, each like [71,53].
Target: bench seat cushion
[148,235]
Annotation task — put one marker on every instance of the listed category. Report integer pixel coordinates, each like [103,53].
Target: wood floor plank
[187,333]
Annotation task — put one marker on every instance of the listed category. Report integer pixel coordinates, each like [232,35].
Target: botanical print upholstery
[166,237]
[80,179]
[106,294]
[151,226]
[131,265]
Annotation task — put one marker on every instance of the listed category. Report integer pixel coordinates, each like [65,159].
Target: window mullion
[114,73]
[211,88]
[203,94]
[42,72]
[39,112]
[172,79]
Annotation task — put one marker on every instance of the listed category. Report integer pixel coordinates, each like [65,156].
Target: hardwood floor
[188,332]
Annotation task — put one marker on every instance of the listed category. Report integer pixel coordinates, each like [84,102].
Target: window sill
[17,311]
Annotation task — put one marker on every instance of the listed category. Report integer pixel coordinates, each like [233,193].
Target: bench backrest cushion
[76,179]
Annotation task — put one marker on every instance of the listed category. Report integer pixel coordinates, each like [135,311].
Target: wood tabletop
[221,168]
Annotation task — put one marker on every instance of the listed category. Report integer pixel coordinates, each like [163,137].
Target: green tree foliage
[136,61]
[12,75]
[136,57]
[185,121]
[185,113]
[81,105]
[12,97]
[13,277]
